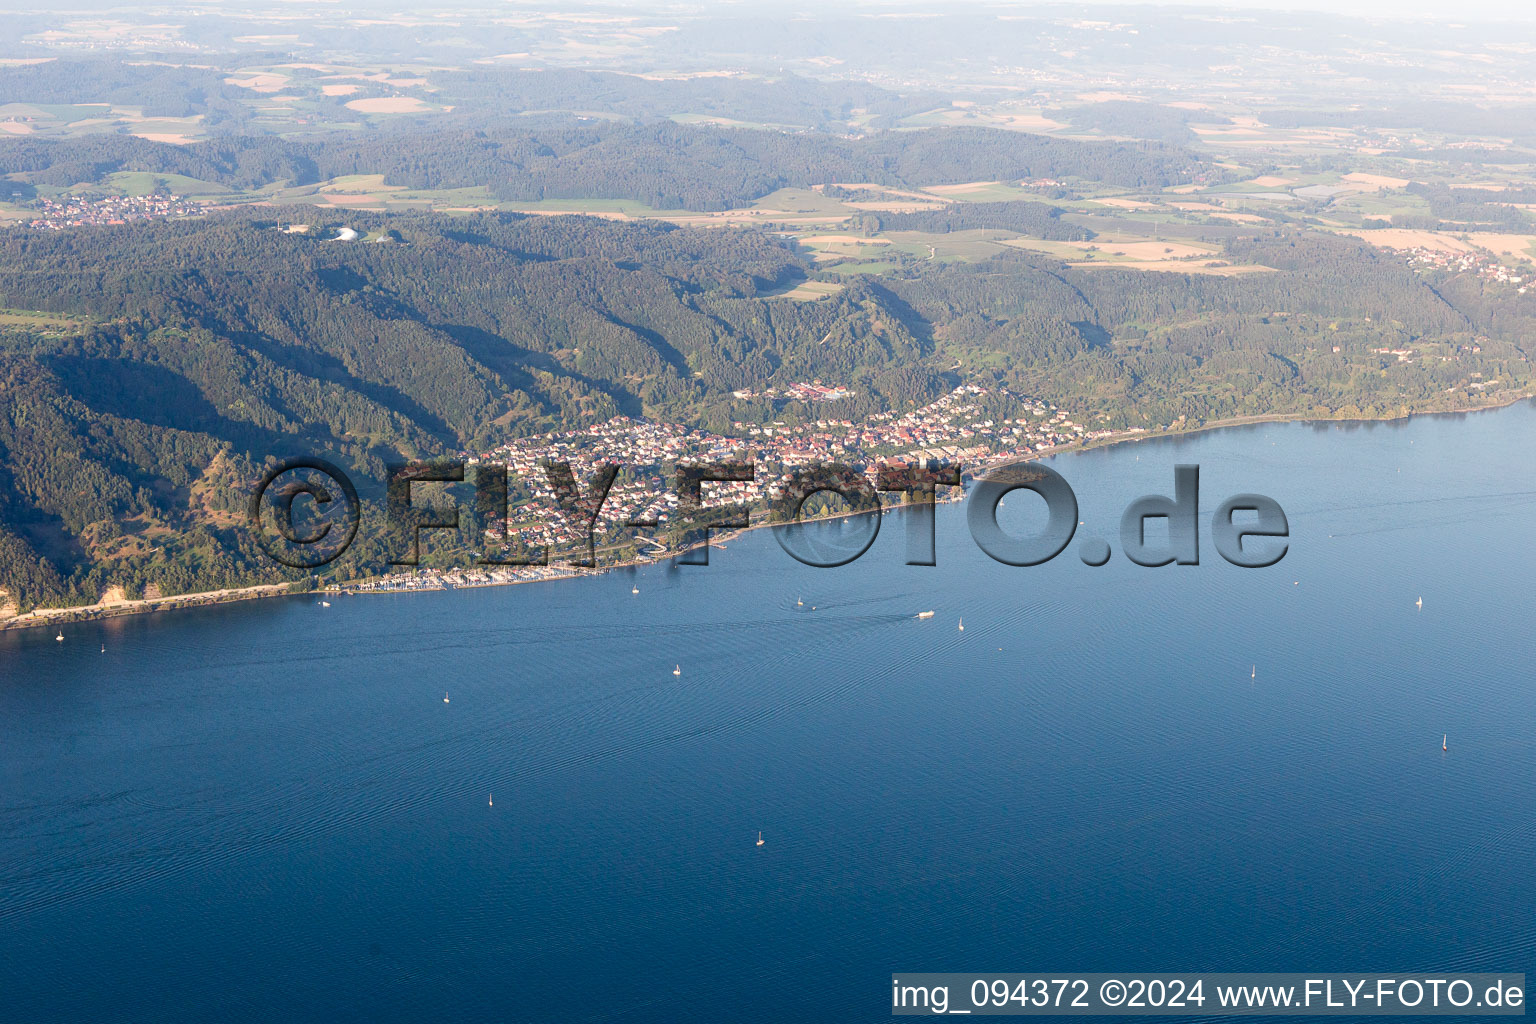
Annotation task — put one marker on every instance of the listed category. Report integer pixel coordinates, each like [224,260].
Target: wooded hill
[191,352]
[665,165]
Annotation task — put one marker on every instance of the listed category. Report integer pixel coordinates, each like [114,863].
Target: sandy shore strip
[83,613]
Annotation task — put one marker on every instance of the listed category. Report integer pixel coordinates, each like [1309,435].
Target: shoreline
[572,572]
[40,617]
[1250,421]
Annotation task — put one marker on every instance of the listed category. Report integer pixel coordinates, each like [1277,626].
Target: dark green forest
[1038,220]
[665,165]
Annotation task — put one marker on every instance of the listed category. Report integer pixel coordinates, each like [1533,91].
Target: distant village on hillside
[83,212]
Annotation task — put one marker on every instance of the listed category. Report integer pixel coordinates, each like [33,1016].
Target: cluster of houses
[953,428]
[412,581]
[815,391]
[58,214]
[1470,262]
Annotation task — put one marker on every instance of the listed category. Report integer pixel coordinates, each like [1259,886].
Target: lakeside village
[952,429]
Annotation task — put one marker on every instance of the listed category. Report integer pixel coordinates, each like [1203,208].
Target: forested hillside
[665,165]
[200,349]
[159,366]
[158,89]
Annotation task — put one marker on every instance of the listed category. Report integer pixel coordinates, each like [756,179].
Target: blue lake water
[266,811]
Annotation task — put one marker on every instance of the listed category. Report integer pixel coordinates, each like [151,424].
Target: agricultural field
[983,192]
[48,120]
[39,321]
[806,291]
[826,248]
[1009,115]
[1111,249]
[143,183]
[1212,267]
[389,105]
[1517,246]
[730,122]
[951,246]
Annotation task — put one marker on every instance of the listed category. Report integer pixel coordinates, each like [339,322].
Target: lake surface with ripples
[266,810]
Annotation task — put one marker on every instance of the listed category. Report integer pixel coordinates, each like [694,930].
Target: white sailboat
[799,603]
[678,670]
[1420,603]
[60,637]
[1255,673]
[759,838]
[1442,742]
[634,590]
[962,625]
[445,698]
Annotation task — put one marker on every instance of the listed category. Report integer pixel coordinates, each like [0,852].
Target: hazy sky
[1435,10]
